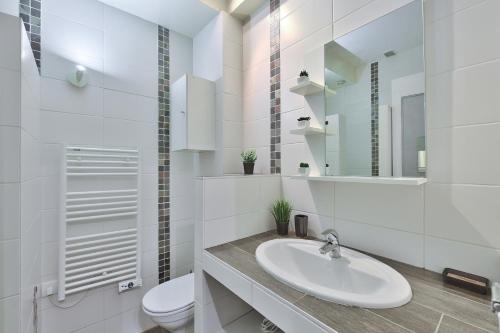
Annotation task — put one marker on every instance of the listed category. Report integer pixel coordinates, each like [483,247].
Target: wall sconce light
[79,78]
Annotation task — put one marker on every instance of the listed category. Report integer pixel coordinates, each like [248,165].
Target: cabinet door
[178,115]
[201,114]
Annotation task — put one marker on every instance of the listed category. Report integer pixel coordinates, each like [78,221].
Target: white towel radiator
[99,239]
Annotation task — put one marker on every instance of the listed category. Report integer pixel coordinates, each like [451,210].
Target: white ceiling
[187,17]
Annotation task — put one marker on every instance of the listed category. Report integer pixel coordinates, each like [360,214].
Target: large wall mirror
[375,104]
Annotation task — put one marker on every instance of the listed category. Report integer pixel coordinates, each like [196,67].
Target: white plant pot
[304,171]
[302,79]
[304,123]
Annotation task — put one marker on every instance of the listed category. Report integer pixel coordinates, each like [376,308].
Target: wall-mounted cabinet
[193,114]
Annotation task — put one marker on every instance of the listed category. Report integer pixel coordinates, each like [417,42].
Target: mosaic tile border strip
[30,12]
[163,155]
[374,117]
[275,71]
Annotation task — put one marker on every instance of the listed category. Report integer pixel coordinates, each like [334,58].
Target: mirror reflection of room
[376,118]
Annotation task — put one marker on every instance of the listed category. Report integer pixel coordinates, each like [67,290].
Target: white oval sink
[354,279]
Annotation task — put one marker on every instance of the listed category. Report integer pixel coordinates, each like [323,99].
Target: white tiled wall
[20,185]
[256,88]
[235,207]
[217,54]
[305,27]
[119,107]
[461,211]
[181,174]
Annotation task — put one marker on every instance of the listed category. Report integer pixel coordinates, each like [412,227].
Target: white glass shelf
[308,131]
[308,88]
[366,180]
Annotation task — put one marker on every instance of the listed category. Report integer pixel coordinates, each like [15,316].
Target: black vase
[248,167]
[282,228]
[301,225]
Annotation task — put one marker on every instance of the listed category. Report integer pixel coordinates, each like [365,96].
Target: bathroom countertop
[435,307]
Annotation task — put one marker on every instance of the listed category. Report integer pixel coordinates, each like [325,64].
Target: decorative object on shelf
[248,157]
[303,77]
[304,168]
[304,122]
[301,223]
[281,212]
[465,280]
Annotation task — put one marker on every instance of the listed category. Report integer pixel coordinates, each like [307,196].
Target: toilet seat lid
[170,296]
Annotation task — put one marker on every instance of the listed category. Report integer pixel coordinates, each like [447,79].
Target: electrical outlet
[129,284]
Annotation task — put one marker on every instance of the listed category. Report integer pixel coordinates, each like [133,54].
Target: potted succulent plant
[248,157]
[304,168]
[304,122]
[281,212]
[303,76]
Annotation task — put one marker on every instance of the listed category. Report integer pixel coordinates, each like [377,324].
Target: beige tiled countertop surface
[435,307]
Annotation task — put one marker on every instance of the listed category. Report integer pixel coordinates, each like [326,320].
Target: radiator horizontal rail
[104,234]
[101,265]
[99,217]
[101,192]
[76,174]
[101,260]
[117,197]
[101,204]
[71,278]
[99,278]
[99,241]
[130,157]
[71,253]
[72,148]
[98,284]
[75,213]
[101,162]
[118,168]
[99,253]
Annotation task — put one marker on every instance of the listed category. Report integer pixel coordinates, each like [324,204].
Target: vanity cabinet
[192,114]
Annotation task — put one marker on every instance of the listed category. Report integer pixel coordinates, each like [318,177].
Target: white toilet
[171,304]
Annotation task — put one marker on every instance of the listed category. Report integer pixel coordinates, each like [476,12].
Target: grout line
[381,226]
[387,319]
[439,323]
[463,322]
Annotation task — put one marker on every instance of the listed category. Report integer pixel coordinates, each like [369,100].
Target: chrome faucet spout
[332,245]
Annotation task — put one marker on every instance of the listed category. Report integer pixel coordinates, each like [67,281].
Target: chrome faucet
[332,245]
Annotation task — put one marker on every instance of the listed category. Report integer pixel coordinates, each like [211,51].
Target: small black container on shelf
[248,168]
[301,222]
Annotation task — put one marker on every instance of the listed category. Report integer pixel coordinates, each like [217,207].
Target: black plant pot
[282,228]
[248,167]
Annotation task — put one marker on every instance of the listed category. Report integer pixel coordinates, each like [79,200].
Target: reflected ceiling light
[79,78]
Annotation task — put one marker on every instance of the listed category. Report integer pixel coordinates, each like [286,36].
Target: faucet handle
[331,235]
